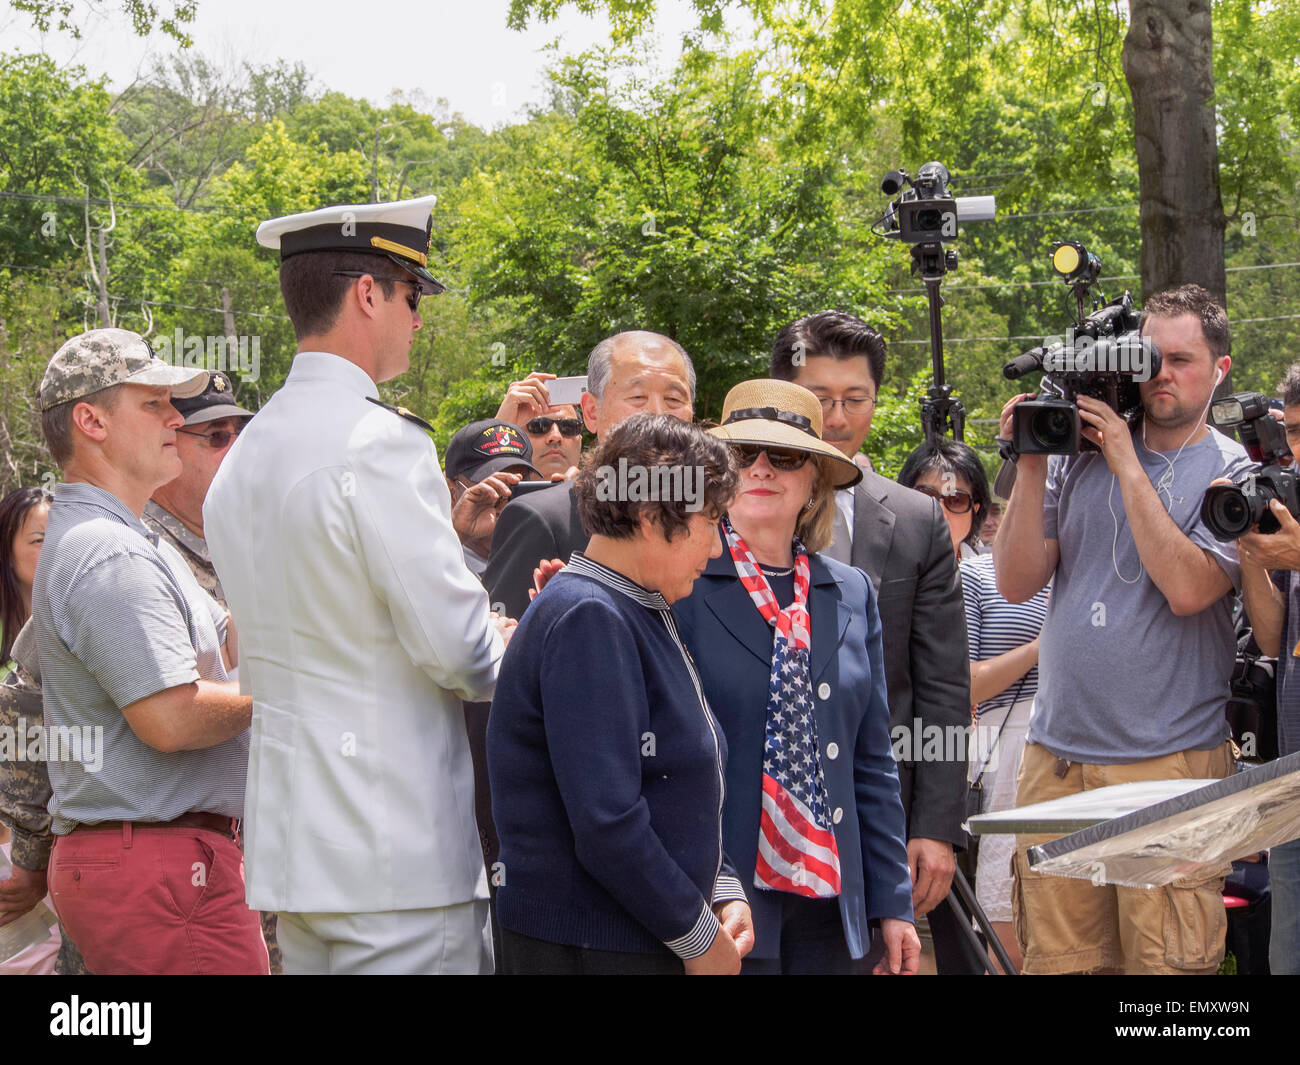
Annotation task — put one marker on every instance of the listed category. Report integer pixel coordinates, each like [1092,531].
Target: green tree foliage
[64,15]
[668,206]
[714,203]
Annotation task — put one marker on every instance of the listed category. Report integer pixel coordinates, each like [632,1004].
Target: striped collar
[84,494]
[581,564]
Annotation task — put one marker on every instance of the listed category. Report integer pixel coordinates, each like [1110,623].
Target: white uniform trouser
[447,940]
[993,867]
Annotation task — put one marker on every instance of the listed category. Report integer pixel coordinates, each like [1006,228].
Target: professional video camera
[925,215]
[1230,510]
[1101,355]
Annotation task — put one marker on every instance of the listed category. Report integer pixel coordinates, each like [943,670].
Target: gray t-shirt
[1121,677]
[119,617]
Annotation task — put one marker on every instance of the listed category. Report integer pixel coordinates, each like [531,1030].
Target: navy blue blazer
[732,648]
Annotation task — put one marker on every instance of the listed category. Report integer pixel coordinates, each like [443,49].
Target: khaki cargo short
[1066,925]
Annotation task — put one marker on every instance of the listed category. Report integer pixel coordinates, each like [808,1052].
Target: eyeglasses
[854,405]
[955,502]
[412,301]
[780,458]
[542,426]
[222,438]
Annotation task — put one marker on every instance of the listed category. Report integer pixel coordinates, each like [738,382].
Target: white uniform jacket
[360,632]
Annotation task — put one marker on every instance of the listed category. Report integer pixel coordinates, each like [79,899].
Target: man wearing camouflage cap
[146,873]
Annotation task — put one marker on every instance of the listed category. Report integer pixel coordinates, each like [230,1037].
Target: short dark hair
[1290,387]
[56,422]
[950,456]
[14,509]
[832,334]
[313,293]
[1192,299]
[653,442]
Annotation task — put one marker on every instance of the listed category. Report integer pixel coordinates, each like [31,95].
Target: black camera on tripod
[924,215]
[927,213]
[1102,355]
[1231,510]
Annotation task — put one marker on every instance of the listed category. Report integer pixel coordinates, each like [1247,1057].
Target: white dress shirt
[360,632]
[844,500]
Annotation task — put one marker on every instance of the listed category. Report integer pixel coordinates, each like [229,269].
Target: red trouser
[142,900]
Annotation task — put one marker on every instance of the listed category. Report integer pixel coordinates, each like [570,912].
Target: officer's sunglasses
[412,301]
[955,502]
[218,440]
[542,426]
[779,458]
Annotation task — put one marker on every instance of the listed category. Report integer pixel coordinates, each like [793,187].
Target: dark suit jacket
[535,526]
[901,541]
[732,648]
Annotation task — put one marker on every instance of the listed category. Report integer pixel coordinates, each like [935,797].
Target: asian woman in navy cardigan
[605,760]
[788,646]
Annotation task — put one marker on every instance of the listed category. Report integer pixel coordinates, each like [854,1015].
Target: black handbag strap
[998,738]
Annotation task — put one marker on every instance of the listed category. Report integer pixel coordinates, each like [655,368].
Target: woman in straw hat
[788,646]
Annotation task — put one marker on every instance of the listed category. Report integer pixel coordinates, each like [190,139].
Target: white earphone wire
[1164,486]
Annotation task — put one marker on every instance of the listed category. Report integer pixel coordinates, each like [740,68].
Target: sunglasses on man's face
[955,502]
[778,458]
[221,438]
[412,301]
[542,426]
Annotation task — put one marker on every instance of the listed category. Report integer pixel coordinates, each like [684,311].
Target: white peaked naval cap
[401,232]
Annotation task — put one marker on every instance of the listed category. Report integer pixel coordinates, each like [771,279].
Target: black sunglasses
[412,301]
[542,426]
[955,502]
[780,458]
[217,440]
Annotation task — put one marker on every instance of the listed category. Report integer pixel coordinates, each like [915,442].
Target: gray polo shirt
[1122,678]
[119,617]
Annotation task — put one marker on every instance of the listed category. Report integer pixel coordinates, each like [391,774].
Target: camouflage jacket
[192,547]
[24,782]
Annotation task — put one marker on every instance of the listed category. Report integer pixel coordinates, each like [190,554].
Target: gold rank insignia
[402,412]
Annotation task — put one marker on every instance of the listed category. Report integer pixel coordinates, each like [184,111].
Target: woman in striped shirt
[1003,660]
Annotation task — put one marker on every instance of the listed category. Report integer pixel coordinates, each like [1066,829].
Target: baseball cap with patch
[401,231]
[102,358]
[214,402]
[487,447]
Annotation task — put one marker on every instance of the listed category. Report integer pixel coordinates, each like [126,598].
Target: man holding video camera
[1273,603]
[1137,650]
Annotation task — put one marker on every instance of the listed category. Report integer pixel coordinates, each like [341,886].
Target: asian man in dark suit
[626,374]
[899,538]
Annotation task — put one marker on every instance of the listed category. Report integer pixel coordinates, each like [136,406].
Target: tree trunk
[1168,62]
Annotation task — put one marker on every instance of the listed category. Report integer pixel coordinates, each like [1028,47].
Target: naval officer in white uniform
[361,630]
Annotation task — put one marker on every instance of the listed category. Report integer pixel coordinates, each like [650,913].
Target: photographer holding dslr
[1273,603]
[1137,649]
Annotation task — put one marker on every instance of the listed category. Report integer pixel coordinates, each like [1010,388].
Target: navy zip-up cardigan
[607,774]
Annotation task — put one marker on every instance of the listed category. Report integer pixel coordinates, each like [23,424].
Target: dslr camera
[1231,510]
[1102,356]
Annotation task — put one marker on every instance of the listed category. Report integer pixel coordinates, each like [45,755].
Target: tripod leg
[963,901]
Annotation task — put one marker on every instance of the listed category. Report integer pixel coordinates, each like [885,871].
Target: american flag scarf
[796,842]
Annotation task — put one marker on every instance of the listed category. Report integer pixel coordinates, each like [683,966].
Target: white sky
[460,51]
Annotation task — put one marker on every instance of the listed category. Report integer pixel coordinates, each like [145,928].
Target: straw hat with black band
[781,414]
